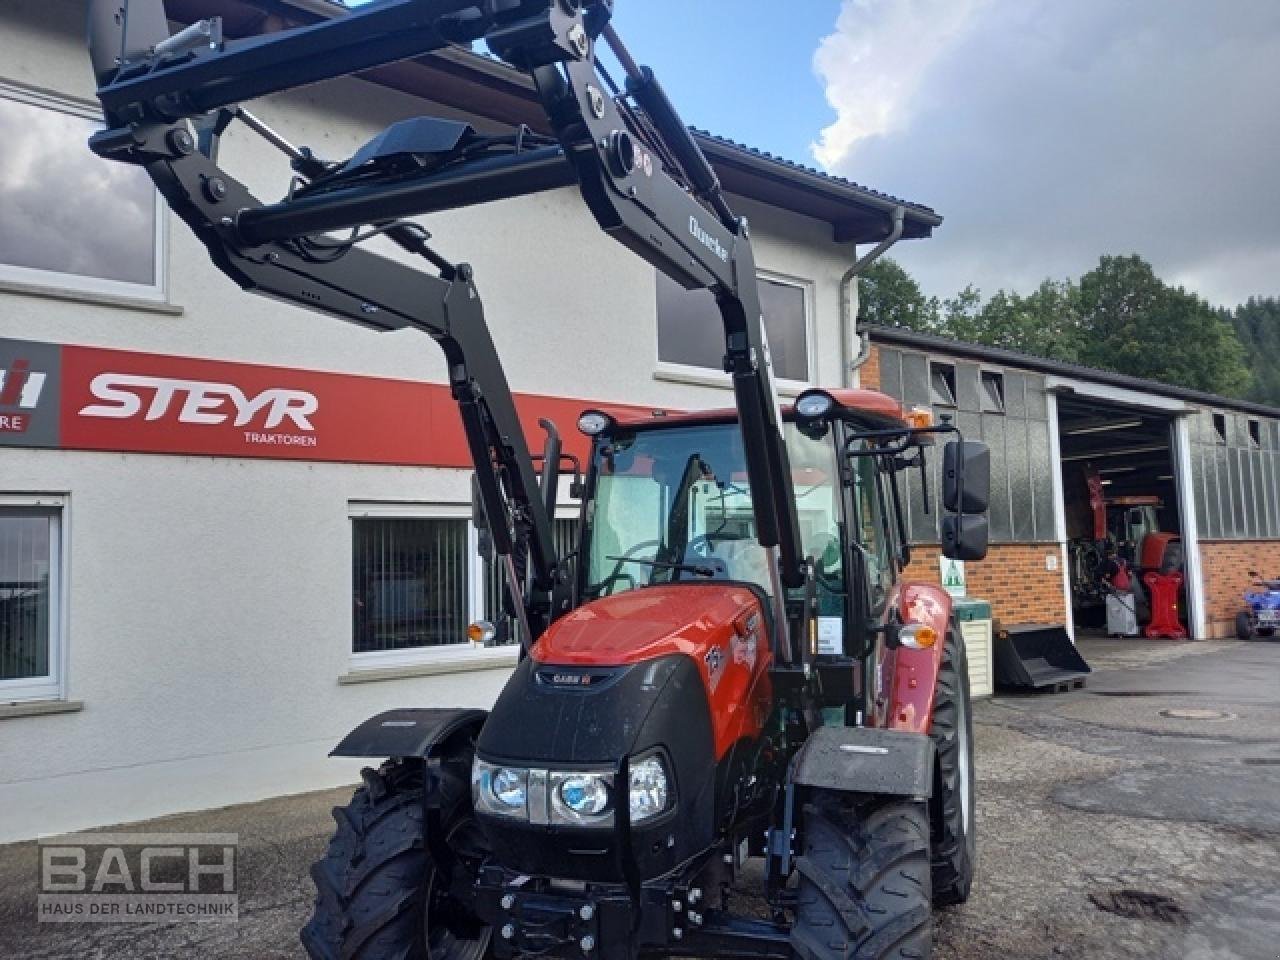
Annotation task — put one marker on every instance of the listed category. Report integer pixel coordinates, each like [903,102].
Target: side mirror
[966,477]
[965,537]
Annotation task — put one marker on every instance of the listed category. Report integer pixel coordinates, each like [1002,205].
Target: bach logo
[138,878]
[124,396]
[20,389]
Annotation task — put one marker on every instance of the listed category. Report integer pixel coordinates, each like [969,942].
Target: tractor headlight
[576,798]
[650,789]
[500,790]
[581,797]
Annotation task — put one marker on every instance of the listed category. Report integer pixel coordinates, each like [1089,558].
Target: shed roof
[936,343]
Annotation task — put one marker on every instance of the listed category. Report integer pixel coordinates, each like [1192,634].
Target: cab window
[873,528]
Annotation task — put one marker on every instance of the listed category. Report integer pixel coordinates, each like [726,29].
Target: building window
[31,642]
[1220,427]
[1255,434]
[565,533]
[71,220]
[942,384]
[411,580]
[691,335]
[992,392]
[418,581]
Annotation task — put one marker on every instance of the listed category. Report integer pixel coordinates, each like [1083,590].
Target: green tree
[888,296]
[1132,322]
[1257,324]
[1044,323]
[961,316]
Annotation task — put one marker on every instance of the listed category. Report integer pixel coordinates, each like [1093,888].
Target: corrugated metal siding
[1022,506]
[1236,481]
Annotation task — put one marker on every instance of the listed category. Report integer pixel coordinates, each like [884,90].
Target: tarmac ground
[1109,826]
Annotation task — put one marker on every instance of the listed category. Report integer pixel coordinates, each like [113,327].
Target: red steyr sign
[86,398]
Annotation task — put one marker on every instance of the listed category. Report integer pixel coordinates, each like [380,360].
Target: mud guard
[408,732]
[894,763]
[913,674]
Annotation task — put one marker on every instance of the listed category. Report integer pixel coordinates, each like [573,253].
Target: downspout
[848,362]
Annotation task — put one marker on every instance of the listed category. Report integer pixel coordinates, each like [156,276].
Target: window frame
[54,281]
[1220,429]
[52,686]
[374,660]
[714,377]
[418,656]
[941,367]
[986,404]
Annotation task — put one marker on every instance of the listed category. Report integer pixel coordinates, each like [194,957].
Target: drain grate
[1141,905]
[1194,713]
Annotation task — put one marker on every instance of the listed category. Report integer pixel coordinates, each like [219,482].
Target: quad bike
[1262,618]
[733,670]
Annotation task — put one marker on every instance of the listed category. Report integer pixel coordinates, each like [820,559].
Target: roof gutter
[850,362]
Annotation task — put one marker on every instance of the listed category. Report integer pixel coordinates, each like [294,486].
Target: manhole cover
[1140,905]
[1194,713]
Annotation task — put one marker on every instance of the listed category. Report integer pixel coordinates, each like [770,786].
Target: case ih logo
[124,396]
[20,389]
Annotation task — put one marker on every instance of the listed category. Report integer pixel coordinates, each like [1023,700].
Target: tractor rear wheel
[951,811]
[863,891]
[379,893]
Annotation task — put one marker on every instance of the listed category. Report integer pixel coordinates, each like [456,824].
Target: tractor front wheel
[951,811]
[1244,626]
[379,892]
[863,891]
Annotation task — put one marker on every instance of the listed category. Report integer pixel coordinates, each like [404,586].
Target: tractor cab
[669,501]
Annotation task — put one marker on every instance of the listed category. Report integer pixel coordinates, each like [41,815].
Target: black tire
[379,895]
[951,810]
[863,888]
[1244,626]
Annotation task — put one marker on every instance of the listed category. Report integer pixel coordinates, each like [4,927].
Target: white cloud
[1049,133]
[875,62]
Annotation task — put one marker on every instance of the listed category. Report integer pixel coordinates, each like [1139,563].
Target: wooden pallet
[1062,686]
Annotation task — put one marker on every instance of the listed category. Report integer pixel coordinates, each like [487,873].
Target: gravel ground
[1106,829]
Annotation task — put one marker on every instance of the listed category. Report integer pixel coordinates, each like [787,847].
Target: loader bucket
[1035,656]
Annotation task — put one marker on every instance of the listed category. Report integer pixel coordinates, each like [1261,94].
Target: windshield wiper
[697,569]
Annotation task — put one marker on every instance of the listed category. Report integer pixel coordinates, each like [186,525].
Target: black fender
[409,732]
[866,760]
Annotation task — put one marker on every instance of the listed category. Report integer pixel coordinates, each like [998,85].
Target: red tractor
[732,670]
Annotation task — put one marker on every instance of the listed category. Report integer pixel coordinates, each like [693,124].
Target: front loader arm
[640,171]
[375,292]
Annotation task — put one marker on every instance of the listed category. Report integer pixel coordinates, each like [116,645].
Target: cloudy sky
[1046,132]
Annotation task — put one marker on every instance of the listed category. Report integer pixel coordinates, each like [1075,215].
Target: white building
[193,613]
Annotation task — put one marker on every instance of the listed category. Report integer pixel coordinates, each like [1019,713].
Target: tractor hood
[643,624]
[625,673]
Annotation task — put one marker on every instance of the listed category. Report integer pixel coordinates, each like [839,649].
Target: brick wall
[869,372]
[1226,565]
[1012,578]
